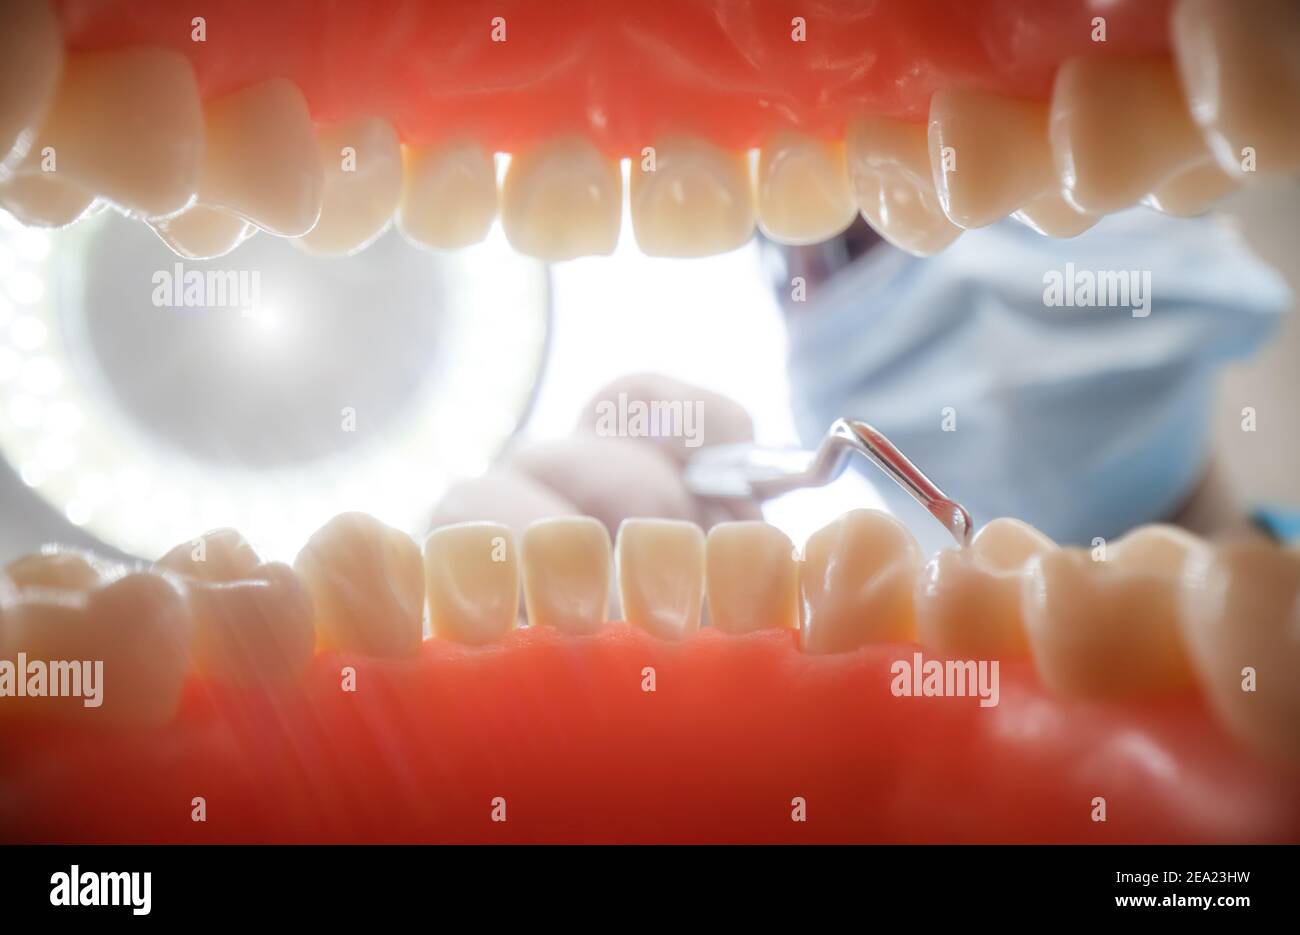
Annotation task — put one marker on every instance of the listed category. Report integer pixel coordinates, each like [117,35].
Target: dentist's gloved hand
[597,472]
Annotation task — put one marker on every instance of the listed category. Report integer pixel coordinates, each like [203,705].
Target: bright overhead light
[59,426]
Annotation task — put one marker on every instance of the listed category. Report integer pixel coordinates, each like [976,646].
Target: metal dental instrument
[747,471]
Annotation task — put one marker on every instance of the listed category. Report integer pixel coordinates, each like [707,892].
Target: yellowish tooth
[202,233]
[566,570]
[138,627]
[562,199]
[58,568]
[1052,215]
[752,577]
[1240,70]
[1110,628]
[990,154]
[126,125]
[1192,191]
[804,194]
[262,161]
[661,575]
[858,578]
[449,194]
[44,200]
[472,581]
[219,555]
[1241,621]
[697,200]
[1119,128]
[31,60]
[363,178]
[366,582]
[253,622]
[255,630]
[968,600]
[889,166]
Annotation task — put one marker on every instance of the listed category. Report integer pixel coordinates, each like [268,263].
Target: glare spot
[93,487]
[63,418]
[25,411]
[267,322]
[57,454]
[32,473]
[32,245]
[132,483]
[42,376]
[28,333]
[25,288]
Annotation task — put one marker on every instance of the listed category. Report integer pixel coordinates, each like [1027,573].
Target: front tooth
[968,600]
[262,161]
[804,195]
[128,126]
[1241,73]
[1119,128]
[697,200]
[472,581]
[449,194]
[366,582]
[661,575]
[990,154]
[363,179]
[1110,628]
[566,565]
[59,568]
[1192,191]
[889,165]
[1241,621]
[43,200]
[858,578]
[752,577]
[139,627]
[253,622]
[202,233]
[31,59]
[562,199]
[1052,215]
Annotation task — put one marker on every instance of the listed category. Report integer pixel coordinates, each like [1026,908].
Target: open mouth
[323,125]
[855,690]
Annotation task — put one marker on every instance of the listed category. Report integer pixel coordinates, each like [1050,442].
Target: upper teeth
[129,127]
